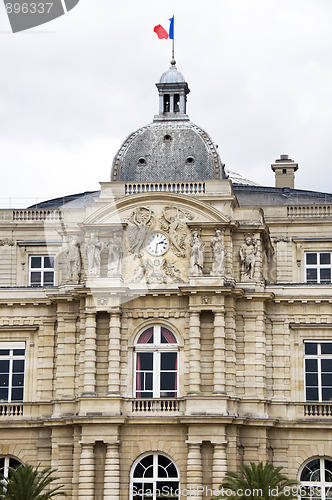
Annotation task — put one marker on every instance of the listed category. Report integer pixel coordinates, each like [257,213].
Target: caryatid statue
[93,251]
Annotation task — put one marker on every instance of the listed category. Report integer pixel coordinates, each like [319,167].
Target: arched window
[154,476]
[316,479]
[156,364]
[6,462]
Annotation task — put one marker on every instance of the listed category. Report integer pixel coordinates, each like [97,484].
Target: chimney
[284,169]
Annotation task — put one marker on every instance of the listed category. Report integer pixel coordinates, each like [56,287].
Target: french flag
[162,33]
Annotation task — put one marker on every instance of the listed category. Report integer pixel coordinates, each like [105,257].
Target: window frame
[317,266]
[42,270]
[7,459]
[319,357]
[11,346]
[157,348]
[155,477]
[321,484]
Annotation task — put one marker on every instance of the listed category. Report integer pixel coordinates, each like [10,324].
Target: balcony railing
[11,410]
[169,187]
[318,410]
[37,215]
[309,211]
[155,406]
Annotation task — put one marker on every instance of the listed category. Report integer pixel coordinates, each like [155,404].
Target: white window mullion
[156,374]
[10,376]
[320,392]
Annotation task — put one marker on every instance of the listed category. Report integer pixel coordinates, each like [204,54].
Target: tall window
[316,479]
[318,371]
[318,267]
[6,462]
[41,270]
[12,359]
[156,362]
[154,476]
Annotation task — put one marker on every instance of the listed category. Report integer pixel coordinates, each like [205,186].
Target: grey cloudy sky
[260,74]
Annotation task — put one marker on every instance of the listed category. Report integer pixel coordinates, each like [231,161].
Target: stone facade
[91,408]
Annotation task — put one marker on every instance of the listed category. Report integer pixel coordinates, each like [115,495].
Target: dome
[168,151]
[172,75]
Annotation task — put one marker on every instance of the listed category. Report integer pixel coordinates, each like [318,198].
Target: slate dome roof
[168,151]
[172,75]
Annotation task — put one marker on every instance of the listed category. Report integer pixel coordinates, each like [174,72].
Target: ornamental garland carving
[157,271]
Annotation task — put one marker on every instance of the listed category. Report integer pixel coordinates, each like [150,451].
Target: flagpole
[173,40]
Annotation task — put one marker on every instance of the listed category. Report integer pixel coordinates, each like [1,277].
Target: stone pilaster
[255,358]
[114,354]
[87,472]
[219,466]
[90,347]
[65,354]
[194,471]
[219,367]
[230,330]
[112,472]
[194,353]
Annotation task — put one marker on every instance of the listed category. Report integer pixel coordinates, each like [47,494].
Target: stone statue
[93,251]
[219,253]
[142,218]
[172,221]
[248,257]
[115,253]
[74,260]
[196,255]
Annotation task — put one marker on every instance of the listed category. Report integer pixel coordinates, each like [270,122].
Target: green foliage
[259,481]
[29,483]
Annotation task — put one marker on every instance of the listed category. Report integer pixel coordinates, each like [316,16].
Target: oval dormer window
[167,138]
[190,160]
[141,162]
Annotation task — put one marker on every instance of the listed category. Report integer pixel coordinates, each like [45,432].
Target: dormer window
[141,162]
[190,160]
[167,138]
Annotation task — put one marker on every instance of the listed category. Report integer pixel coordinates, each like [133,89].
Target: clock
[157,244]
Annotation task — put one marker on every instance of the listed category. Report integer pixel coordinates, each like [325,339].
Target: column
[65,354]
[219,466]
[219,366]
[194,353]
[194,471]
[114,354]
[171,103]
[182,103]
[87,472]
[112,472]
[230,327]
[89,381]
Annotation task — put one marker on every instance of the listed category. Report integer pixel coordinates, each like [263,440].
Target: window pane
[311,470]
[19,352]
[328,471]
[49,262]
[35,279]
[18,379]
[146,337]
[325,258]
[325,275]
[311,275]
[311,258]
[4,366]
[311,365]
[168,360]
[35,262]
[326,347]
[48,278]
[327,365]
[139,470]
[311,379]
[326,380]
[168,490]
[327,393]
[2,466]
[18,365]
[311,394]
[148,382]
[167,337]
[161,472]
[4,379]
[3,394]
[167,381]
[4,352]
[17,394]
[145,361]
[310,348]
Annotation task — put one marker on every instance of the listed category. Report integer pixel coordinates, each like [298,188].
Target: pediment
[120,211]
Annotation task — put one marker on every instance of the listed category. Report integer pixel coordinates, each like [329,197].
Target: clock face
[157,244]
